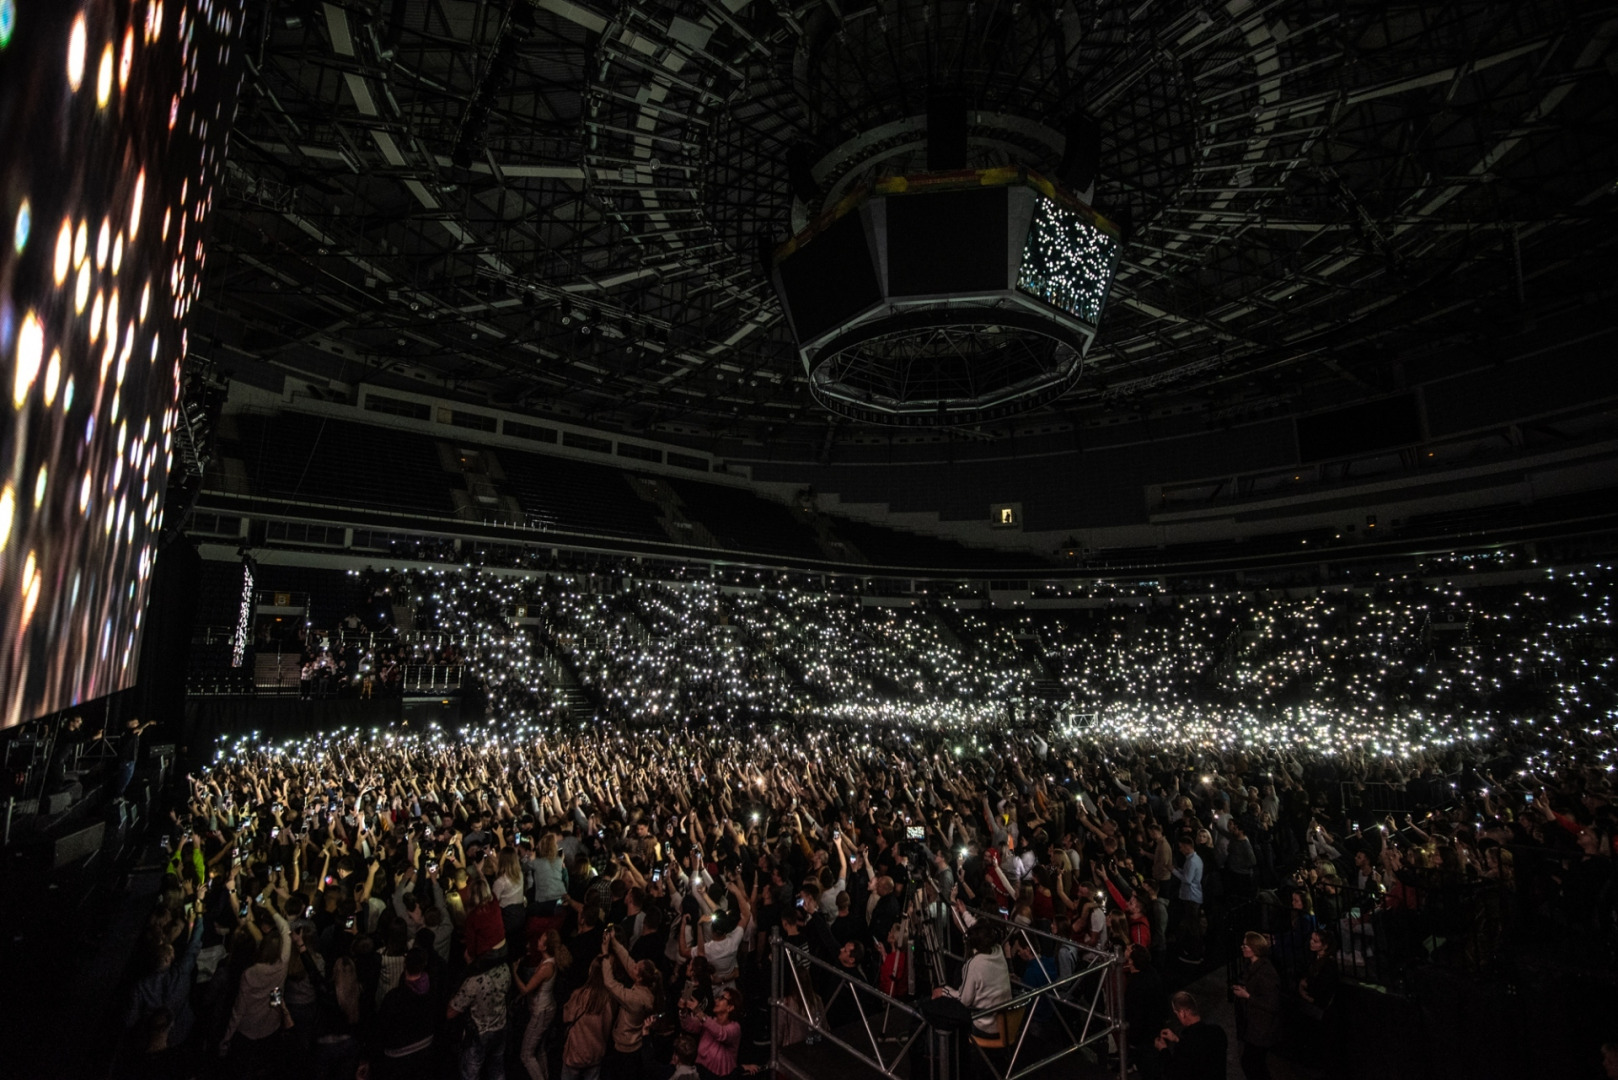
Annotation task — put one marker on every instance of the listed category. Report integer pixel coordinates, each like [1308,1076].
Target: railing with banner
[826,1021]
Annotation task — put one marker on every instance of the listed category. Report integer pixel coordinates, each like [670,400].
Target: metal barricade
[1083,1009]
[805,1043]
[1094,990]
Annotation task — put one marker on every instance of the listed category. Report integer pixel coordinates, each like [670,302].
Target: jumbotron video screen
[114,118]
[1068,261]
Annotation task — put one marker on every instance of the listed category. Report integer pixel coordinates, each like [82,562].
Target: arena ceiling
[558,206]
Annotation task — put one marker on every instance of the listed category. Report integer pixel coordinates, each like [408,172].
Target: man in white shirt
[721,939]
[828,896]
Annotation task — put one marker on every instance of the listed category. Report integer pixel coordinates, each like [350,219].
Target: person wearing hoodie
[407,1022]
[259,1012]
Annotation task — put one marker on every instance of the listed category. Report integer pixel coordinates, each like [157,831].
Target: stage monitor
[113,116]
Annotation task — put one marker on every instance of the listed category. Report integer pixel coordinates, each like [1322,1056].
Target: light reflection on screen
[114,120]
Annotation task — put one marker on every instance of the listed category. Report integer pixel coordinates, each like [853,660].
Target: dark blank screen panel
[830,278]
[948,242]
[1375,425]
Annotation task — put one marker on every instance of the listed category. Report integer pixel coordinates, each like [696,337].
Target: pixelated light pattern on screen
[1067,262]
[114,116]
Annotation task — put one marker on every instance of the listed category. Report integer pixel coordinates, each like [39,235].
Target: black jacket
[1199,1055]
[1146,1006]
[406,1017]
[1258,1018]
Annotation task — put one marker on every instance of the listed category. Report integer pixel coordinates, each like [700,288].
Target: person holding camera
[260,1011]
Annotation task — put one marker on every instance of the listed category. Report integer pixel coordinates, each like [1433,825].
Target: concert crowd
[1331,787]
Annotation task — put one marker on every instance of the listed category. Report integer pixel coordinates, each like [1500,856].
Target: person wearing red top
[893,978]
[1140,927]
[997,879]
[1042,904]
[485,926]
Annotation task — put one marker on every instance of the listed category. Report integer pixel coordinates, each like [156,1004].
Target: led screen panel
[114,117]
[947,242]
[830,278]
[1068,262]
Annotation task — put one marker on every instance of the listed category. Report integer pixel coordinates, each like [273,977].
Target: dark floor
[70,933]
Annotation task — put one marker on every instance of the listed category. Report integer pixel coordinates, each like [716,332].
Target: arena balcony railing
[541,546]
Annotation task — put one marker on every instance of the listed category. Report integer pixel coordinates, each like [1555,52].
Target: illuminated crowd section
[115,128]
[1386,672]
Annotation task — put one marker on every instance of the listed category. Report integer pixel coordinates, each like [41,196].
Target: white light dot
[64,251]
[104,78]
[135,204]
[24,224]
[75,53]
[53,377]
[30,353]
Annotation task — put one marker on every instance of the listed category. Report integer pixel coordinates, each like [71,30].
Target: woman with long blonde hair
[508,893]
[550,874]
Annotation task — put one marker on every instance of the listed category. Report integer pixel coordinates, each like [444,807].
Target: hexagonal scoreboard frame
[947,298]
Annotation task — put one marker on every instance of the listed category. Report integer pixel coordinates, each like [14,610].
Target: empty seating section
[324,460]
[330,461]
[889,547]
[577,496]
[742,521]
[332,594]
